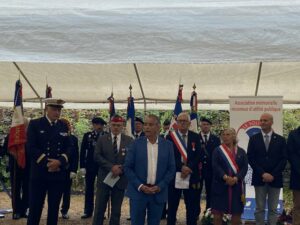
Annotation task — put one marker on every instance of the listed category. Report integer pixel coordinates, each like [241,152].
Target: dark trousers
[89,191]
[207,182]
[38,190]
[102,197]
[191,201]
[19,187]
[66,196]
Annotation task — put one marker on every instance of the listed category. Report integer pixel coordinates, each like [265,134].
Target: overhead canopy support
[258,78]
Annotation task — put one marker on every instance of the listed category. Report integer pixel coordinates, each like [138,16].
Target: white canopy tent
[87,48]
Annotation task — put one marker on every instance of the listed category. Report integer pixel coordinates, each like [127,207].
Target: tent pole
[28,82]
[258,78]
[141,87]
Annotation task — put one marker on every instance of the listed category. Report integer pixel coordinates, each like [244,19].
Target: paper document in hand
[110,180]
[182,183]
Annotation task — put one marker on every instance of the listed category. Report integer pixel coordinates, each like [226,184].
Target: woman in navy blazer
[230,165]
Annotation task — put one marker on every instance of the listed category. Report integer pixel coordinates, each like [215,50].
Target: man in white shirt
[149,167]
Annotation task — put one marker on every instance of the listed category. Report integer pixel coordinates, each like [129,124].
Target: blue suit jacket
[136,166]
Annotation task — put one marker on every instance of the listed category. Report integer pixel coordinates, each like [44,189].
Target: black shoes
[16,216]
[86,216]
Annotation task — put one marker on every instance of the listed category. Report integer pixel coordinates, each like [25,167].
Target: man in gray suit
[110,152]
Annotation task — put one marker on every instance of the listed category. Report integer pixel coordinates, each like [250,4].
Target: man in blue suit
[149,167]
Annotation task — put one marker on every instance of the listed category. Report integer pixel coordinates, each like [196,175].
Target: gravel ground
[76,210]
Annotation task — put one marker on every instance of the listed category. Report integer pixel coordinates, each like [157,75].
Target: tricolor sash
[228,157]
[181,146]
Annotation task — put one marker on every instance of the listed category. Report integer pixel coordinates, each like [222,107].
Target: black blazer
[193,155]
[206,161]
[45,141]
[74,154]
[262,161]
[293,149]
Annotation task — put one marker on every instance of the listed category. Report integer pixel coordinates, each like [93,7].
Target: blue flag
[193,114]
[177,109]
[130,117]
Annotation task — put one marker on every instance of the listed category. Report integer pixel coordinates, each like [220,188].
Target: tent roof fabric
[86,49]
[92,83]
[143,31]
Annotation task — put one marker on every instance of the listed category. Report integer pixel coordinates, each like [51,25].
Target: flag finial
[130,89]
[194,86]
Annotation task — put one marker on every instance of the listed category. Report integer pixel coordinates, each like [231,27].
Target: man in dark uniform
[88,166]
[187,153]
[48,145]
[208,144]
[19,180]
[110,153]
[72,170]
[138,127]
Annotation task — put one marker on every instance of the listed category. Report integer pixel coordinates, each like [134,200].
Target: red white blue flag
[17,133]
[177,109]
[193,114]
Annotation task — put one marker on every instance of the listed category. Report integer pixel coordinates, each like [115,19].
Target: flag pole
[28,82]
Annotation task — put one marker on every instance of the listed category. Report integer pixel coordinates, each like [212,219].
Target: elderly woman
[230,165]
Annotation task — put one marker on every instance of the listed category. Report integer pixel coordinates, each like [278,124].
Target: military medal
[123,151]
[193,146]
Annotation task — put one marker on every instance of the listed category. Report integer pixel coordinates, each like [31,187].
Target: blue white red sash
[228,157]
[181,146]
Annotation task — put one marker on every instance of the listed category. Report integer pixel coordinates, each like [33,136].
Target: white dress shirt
[152,153]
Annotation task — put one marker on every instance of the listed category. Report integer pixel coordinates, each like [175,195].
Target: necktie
[205,139]
[115,145]
[184,139]
[136,136]
[267,141]
[52,124]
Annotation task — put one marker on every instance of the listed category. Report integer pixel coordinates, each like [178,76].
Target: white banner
[245,112]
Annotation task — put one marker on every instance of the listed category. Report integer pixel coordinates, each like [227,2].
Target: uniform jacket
[45,141]
[136,168]
[262,161]
[74,158]
[206,161]
[105,157]
[293,149]
[87,150]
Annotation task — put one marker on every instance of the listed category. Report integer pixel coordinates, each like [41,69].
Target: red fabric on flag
[16,144]
[17,133]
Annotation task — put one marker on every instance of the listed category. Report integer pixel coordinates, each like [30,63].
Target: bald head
[266,122]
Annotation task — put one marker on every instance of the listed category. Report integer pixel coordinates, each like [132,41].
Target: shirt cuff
[139,188]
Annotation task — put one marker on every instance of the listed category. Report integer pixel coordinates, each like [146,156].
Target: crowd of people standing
[153,169]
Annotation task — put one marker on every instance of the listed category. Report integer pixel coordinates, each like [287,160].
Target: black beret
[98,120]
[139,119]
[167,122]
[203,119]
